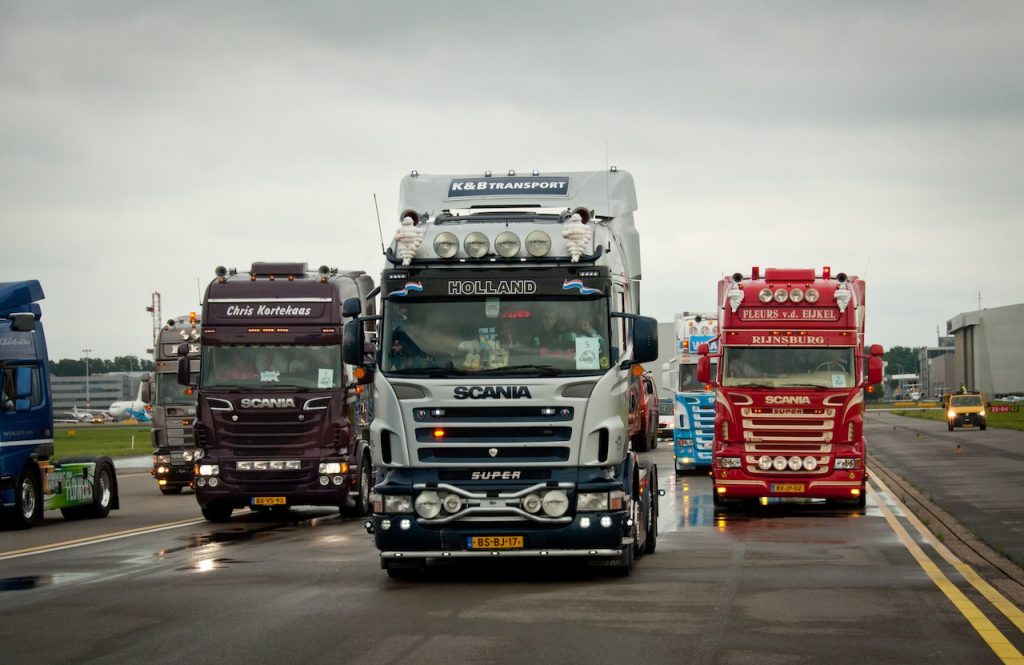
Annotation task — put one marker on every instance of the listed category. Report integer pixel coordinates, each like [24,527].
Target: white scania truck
[509,340]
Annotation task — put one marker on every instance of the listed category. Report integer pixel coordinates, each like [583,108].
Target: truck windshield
[266,366]
[171,393]
[688,378]
[966,400]
[496,336]
[818,367]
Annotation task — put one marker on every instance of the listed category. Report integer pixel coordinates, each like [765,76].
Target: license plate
[269,501]
[494,542]
[794,488]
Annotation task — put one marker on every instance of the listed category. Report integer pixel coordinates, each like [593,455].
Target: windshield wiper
[546,370]
[751,385]
[432,372]
[809,385]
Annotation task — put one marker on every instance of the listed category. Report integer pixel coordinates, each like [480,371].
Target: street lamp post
[87,352]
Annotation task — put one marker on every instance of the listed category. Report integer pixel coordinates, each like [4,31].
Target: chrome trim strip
[459,554]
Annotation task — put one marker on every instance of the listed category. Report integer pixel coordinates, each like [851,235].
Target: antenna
[379,229]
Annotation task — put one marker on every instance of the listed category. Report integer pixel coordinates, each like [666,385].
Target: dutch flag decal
[570,284]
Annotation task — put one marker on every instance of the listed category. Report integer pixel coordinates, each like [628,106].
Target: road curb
[998,570]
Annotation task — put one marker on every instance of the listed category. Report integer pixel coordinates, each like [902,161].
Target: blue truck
[695,402]
[29,481]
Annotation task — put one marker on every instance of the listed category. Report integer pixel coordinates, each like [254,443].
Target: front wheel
[102,491]
[950,426]
[28,507]
[652,524]
[216,512]
[170,489]
[362,504]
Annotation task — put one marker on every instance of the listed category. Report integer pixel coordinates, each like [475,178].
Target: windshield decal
[404,291]
[570,284]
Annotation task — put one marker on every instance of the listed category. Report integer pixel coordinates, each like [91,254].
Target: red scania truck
[790,379]
[279,419]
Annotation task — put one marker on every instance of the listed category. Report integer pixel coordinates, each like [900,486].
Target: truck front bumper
[838,485]
[304,494]
[404,536]
[173,475]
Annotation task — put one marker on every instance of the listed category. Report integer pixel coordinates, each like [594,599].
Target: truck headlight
[729,462]
[591,501]
[428,505]
[187,455]
[764,462]
[208,470]
[847,463]
[161,459]
[951,414]
[531,503]
[328,468]
[397,503]
[452,503]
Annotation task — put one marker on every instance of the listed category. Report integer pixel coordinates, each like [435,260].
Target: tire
[362,504]
[216,512]
[170,490]
[950,426]
[640,443]
[652,439]
[104,492]
[625,565]
[406,570]
[652,524]
[28,504]
[983,426]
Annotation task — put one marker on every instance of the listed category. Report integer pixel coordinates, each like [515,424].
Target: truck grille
[785,425]
[471,454]
[282,432]
[703,418]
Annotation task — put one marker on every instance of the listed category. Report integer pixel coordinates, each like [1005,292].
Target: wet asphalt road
[782,583]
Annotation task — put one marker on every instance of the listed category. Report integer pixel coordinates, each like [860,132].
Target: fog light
[555,503]
[810,463]
[200,482]
[405,525]
[764,462]
[507,244]
[452,503]
[795,463]
[606,521]
[855,492]
[428,505]
[476,244]
[385,525]
[531,503]
[324,480]
[585,522]
[446,245]
[337,480]
[162,469]
[779,463]
[538,243]
[729,462]
[161,482]
[214,482]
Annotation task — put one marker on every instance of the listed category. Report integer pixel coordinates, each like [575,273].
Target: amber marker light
[359,373]
[438,433]
[189,391]
[637,370]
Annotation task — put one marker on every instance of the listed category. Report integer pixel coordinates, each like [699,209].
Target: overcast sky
[143,145]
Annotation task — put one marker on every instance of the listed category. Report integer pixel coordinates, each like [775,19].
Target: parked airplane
[81,416]
[135,408]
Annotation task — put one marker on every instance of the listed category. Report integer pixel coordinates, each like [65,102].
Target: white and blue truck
[29,481]
[509,341]
[694,407]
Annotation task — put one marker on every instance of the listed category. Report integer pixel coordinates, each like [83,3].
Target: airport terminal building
[96,393]
[987,352]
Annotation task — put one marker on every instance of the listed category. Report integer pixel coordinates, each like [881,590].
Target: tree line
[76,367]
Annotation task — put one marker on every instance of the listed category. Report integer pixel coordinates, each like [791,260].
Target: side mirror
[703,349]
[874,367]
[704,368]
[877,350]
[353,342]
[184,370]
[145,389]
[645,339]
[23,322]
[351,307]
[22,383]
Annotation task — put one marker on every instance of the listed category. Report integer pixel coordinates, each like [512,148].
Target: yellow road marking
[985,628]
[99,538]
[1000,602]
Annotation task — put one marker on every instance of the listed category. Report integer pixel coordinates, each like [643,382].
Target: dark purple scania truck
[280,420]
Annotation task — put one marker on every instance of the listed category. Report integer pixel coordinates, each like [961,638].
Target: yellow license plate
[495,542]
[795,488]
[269,501]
